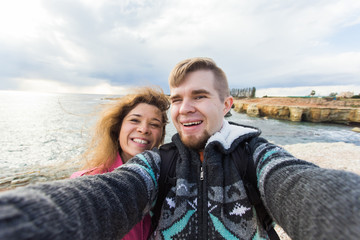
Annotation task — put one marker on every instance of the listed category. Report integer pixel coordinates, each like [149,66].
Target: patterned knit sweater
[208,201]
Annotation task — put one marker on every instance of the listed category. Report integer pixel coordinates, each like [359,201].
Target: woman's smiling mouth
[141,141]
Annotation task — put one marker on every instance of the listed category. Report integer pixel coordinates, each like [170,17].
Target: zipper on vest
[202,203]
[201,173]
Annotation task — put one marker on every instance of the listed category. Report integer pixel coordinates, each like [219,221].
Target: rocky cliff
[302,109]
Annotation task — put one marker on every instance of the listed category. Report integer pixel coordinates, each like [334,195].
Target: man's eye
[200,97]
[175,100]
[155,125]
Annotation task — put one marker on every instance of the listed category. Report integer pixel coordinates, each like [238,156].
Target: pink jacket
[141,230]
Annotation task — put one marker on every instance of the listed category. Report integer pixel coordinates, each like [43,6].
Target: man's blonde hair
[186,66]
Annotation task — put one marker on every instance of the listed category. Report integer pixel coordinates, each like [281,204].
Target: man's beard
[196,143]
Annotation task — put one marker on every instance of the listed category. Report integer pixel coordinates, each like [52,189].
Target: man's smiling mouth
[189,124]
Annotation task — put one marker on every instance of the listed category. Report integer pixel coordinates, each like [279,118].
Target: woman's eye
[134,120]
[155,125]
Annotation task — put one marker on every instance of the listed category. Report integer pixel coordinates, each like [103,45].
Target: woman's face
[141,130]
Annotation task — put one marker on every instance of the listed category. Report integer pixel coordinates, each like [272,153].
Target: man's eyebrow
[174,96]
[193,92]
[200,91]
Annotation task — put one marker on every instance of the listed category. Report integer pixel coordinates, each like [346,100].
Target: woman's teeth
[140,141]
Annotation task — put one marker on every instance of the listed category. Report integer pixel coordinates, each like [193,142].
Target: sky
[281,47]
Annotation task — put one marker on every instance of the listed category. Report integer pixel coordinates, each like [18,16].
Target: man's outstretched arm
[103,206]
[308,202]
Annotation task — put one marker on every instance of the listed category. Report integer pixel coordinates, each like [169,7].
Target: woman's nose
[143,128]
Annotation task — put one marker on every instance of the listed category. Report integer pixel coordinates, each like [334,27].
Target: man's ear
[228,104]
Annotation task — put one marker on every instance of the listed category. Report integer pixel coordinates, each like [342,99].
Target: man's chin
[195,142]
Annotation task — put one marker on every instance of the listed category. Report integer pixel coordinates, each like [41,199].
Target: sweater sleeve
[102,206]
[308,202]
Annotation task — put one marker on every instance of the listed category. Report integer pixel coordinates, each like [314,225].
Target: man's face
[196,109]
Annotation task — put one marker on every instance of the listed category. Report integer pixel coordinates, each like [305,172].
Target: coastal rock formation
[296,113]
[252,110]
[356,129]
[298,109]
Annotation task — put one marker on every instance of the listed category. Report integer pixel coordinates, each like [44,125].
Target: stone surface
[354,115]
[356,129]
[301,109]
[41,174]
[252,110]
[296,113]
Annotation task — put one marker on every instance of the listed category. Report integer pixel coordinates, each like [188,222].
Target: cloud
[39,85]
[258,43]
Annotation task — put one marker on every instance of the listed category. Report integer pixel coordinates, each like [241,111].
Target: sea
[39,129]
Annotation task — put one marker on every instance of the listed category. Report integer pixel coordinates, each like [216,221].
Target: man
[209,200]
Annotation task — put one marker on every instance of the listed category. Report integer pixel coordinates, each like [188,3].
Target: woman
[135,123]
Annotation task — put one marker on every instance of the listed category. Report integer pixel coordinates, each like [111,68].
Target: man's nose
[187,106]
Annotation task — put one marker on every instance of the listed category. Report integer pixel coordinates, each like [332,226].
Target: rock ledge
[302,109]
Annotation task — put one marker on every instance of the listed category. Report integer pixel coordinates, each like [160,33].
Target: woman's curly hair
[104,144]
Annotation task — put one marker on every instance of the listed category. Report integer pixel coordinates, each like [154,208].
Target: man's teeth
[192,123]
[140,141]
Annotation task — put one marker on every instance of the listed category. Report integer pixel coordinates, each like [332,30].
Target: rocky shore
[346,111]
[36,174]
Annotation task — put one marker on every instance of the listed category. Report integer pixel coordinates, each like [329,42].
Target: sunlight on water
[40,129]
